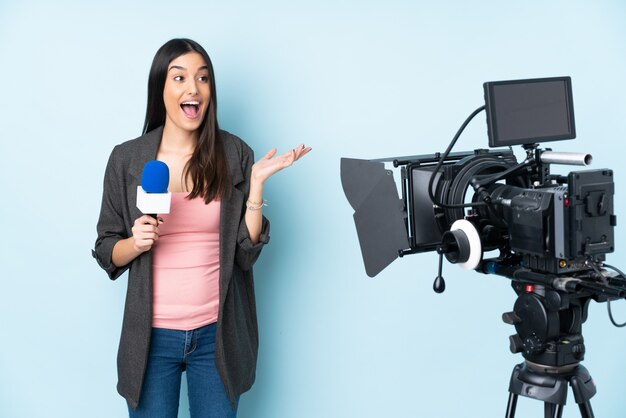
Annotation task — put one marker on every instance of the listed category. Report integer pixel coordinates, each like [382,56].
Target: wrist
[255,178]
[255,196]
[252,205]
[256,188]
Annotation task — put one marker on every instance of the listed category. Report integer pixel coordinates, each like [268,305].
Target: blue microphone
[155,177]
[152,194]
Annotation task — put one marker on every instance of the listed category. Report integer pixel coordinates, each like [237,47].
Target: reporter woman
[190,302]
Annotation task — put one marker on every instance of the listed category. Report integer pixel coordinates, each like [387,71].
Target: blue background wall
[360,79]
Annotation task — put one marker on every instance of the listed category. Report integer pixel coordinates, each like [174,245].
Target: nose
[192,88]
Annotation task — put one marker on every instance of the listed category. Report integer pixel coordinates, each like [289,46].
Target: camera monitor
[529,111]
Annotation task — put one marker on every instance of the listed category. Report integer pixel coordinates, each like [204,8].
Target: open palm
[271,163]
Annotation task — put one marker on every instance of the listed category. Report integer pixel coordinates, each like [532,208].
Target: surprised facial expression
[186,93]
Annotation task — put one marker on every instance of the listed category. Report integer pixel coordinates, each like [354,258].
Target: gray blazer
[237,333]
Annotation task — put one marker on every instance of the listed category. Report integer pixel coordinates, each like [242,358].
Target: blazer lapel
[231,215]
[147,150]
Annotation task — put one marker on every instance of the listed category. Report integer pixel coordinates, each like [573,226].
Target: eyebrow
[178,67]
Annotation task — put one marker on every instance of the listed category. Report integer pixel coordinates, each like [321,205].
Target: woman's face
[186,92]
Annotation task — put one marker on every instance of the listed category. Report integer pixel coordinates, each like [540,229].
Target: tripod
[550,386]
[549,336]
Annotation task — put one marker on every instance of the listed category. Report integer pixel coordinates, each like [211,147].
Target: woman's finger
[301,152]
[270,154]
[145,220]
[147,229]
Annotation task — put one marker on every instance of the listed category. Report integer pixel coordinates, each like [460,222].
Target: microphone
[152,194]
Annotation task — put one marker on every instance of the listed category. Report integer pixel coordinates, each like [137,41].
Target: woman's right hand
[145,233]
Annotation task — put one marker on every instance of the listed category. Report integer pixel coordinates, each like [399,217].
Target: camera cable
[608,302]
[440,163]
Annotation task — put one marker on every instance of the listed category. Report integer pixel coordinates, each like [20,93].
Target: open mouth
[191,109]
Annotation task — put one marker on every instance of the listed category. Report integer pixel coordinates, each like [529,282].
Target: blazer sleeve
[247,253]
[111,227]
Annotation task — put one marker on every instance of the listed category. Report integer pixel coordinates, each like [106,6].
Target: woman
[190,300]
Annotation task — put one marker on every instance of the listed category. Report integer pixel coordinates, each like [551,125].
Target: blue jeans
[171,353]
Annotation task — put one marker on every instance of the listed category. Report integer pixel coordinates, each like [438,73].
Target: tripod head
[548,324]
[550,310]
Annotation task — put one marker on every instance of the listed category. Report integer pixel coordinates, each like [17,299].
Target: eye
[179,78]
[203,78]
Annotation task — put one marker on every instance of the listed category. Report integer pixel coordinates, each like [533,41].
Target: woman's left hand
[271,163]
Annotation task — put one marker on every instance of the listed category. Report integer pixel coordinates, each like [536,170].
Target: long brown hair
[207,166]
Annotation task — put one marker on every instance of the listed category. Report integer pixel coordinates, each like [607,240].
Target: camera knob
[511,318]
[515,344]
[579,350]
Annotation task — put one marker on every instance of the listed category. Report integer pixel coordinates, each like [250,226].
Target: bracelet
[255,205]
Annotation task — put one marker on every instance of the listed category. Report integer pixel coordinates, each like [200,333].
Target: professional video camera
[551,232]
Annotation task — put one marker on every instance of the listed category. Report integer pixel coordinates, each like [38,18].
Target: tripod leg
[512,404]
[585,410]
[552,410]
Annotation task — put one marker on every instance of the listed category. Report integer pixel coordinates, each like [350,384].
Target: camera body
[558,228]
[550,224]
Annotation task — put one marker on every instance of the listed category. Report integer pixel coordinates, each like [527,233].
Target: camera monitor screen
[529,111]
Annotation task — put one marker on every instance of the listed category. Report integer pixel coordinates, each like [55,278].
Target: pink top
[186,266]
